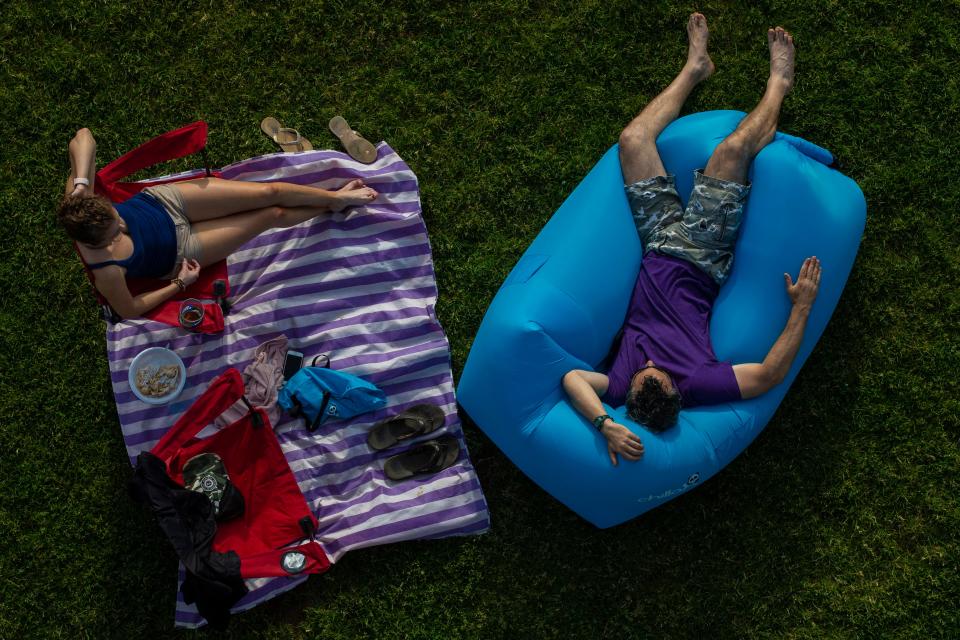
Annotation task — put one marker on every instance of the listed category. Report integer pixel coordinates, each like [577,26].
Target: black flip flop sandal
[428,458]
[415,421]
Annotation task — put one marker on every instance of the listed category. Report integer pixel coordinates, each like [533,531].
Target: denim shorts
[704,233]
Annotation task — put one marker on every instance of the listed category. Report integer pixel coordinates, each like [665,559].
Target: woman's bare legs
[209,198]
[639,158]
[225,213]
[732,157]
[219,237]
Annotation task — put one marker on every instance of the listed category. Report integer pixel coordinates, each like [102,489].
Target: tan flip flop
[359,148]
[287,139]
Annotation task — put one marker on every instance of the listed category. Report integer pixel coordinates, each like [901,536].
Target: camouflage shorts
[703,234]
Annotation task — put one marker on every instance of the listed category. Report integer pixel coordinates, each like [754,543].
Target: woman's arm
[83,162]
[111,282]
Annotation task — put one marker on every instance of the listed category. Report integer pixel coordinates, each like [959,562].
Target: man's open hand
[804,291]
[623,441]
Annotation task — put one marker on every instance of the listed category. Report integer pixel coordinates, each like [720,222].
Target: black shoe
[427,458]
[415,421]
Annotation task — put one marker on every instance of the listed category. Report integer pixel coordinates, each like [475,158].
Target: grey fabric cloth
[262,380]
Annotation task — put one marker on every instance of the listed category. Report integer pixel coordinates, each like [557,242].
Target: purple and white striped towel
[358,285]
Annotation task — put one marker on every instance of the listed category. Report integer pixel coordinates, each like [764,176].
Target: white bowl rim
[163,399]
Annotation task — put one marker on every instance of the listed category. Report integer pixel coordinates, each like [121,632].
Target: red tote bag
[175,144]
[274,535]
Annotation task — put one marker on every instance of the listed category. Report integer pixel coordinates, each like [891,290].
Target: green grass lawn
[840,521]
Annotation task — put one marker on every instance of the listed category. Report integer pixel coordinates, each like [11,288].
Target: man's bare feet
[781,59]
[698,60]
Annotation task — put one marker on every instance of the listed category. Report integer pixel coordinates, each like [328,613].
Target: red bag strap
[226,389]
[168,146]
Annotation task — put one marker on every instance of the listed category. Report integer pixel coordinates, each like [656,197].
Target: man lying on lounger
[665,360]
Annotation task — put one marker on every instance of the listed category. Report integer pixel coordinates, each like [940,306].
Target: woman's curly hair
[86,218]
[652,406]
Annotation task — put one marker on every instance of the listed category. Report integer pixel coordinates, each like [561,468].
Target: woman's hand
[621,440]
[79,190]
[189,271]
[352,194]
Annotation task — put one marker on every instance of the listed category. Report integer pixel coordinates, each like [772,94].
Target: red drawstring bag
[270,530]
[276,514]
[168,146]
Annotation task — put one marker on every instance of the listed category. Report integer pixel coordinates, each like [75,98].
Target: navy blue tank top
[154,238]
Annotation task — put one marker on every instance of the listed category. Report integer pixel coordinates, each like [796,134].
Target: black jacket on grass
[187,518]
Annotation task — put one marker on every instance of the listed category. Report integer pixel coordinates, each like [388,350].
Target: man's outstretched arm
[584,389]
[756,379]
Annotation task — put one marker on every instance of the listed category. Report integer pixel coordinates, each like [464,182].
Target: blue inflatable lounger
[565,300]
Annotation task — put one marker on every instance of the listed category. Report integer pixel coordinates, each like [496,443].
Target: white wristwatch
[78,181]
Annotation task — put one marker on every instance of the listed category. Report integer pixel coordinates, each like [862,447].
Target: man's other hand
[623,441]
[804,290]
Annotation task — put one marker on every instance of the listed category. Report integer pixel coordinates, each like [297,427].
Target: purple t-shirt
[668,321]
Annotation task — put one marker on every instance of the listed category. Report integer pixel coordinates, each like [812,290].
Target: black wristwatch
[599,420]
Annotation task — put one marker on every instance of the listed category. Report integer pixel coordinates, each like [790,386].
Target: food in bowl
[157,382]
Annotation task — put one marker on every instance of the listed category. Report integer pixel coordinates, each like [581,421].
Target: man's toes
[771,35]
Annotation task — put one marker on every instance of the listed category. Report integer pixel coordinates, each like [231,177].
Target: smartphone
[292,364]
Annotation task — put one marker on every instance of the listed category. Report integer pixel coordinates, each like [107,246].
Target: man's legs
[732,157]
[639,158]
[707,234]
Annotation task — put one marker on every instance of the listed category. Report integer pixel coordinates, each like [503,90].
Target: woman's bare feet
[698,60]
[781,59]
[355,193]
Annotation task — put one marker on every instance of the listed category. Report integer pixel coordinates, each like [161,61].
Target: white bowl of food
[157,375]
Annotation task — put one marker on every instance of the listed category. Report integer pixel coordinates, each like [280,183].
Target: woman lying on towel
[172,231]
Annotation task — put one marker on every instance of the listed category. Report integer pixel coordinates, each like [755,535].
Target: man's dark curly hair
[652,406]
